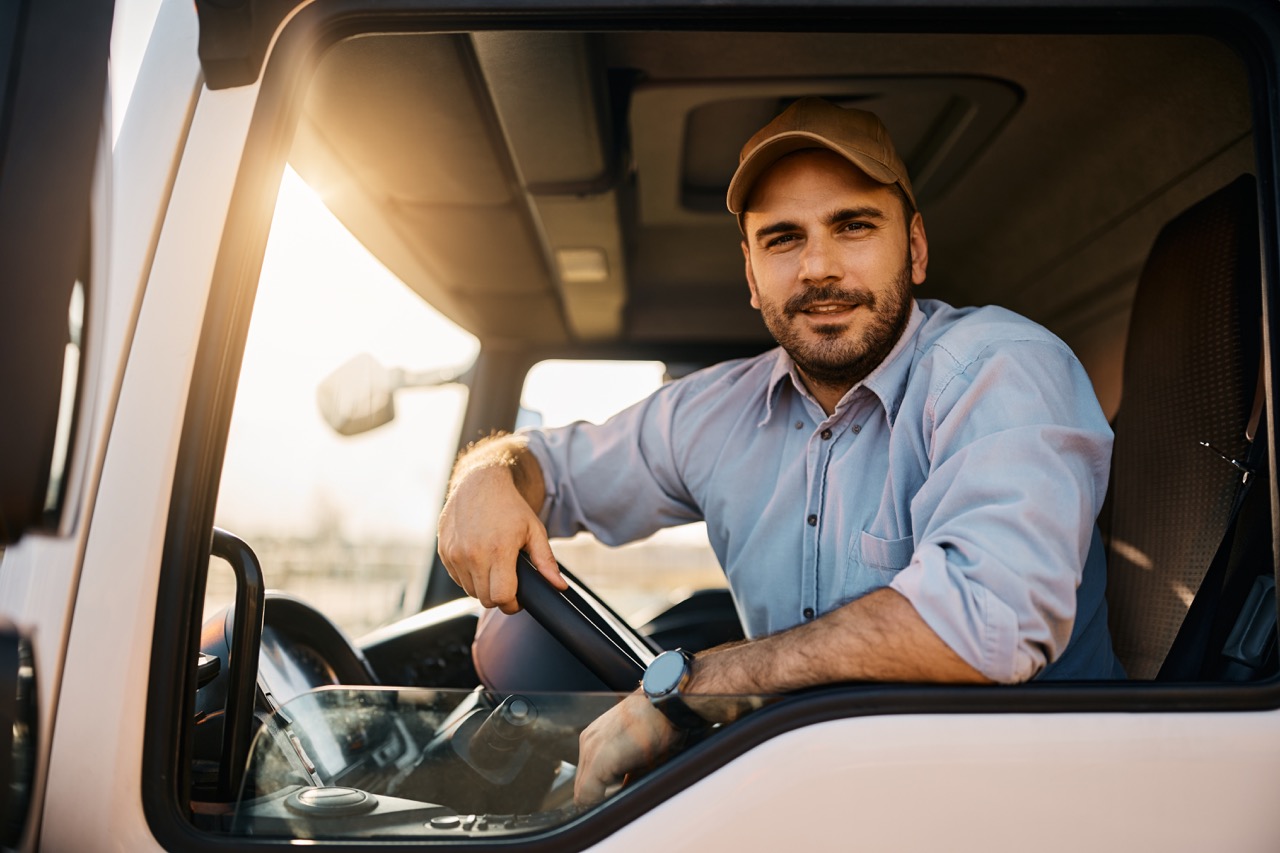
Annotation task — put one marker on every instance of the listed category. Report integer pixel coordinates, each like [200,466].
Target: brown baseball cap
[857,135]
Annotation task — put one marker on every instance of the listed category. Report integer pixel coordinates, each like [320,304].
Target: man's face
[830,262]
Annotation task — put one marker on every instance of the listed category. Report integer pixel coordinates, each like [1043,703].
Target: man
[903,491]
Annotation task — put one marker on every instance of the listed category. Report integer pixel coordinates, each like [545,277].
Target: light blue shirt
[965,472]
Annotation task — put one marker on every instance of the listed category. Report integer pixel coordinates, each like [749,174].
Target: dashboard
[301,650]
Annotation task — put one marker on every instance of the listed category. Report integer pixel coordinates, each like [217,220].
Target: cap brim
[772,150]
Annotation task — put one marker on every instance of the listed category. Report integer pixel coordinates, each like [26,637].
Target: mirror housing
[360,395]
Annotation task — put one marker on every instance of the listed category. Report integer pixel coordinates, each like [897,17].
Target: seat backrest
[1190,373]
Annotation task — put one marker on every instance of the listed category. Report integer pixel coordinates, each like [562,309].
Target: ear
[919,249]
[751,276]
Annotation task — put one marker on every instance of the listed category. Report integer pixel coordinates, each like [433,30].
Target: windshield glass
[340,517]
[364,762]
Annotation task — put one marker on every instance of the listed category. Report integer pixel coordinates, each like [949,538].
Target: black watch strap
[679,713]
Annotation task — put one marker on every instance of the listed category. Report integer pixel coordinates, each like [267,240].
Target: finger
[588,787]
[539,549]
[587,792]
[480,583]
[452,574]
[502,585]
[459,578]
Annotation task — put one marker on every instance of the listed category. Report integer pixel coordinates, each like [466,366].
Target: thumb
[539,550]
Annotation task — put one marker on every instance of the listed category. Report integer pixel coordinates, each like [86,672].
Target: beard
[831,355]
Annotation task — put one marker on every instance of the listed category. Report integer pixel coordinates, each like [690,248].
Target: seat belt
[1186,658]
[1250,649]
[1242,636]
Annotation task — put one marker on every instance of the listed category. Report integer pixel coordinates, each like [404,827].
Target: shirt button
[813,520]
[826,434]
[808,613]
[799,424]
[856,428]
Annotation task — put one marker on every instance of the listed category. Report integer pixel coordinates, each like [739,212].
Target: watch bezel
[670,684]
[669,700]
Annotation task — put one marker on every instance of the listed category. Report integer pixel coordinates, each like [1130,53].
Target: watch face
[664,674]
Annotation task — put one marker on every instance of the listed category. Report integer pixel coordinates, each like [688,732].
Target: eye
[856,227]
[780,240]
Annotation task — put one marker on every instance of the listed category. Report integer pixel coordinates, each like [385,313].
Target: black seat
[1190,376]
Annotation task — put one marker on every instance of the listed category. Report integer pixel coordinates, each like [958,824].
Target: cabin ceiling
[562,187]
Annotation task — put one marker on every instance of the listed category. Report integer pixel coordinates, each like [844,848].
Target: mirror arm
[427,378]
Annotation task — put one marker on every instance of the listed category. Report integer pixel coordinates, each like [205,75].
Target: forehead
[812,180]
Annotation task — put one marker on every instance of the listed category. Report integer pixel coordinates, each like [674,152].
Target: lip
[827,309]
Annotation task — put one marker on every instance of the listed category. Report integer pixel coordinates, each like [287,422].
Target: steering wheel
[585,626]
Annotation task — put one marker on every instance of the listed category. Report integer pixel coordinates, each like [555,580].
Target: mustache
[816,295]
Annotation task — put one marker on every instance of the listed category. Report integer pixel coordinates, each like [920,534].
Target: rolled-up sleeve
[616,480]
[1019,454]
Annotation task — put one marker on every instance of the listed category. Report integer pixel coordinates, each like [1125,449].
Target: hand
[483,525]
[630,735]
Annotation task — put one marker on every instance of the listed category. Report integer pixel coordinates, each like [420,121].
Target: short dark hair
[908,209]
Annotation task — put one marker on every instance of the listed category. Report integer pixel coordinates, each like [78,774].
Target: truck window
[345,522]
[641,578]
[437,129]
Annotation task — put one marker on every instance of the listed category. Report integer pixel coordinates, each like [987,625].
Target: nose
[819,262]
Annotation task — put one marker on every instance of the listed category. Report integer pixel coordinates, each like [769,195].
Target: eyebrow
[842,215]
[864,212]
[776,228]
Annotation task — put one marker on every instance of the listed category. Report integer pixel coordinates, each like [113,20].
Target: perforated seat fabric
[1190,375]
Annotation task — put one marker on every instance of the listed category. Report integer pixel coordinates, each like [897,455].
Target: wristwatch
[667,675]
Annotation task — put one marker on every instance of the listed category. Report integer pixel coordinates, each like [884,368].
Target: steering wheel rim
[585,626]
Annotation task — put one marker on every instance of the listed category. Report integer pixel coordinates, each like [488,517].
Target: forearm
[878,637]
[503,452]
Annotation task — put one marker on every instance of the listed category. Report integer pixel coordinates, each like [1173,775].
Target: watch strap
[672,704]
[679,713]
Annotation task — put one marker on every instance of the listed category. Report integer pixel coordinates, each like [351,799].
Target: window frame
[1253,32]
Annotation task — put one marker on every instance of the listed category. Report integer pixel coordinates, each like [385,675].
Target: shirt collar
[887,381]
[783,368]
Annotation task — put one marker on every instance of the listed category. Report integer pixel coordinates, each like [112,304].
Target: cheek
[881,271]
[764,296]
[761,276]
[773,279]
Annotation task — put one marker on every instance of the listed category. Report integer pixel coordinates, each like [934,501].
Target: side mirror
[360,395]
[18,742]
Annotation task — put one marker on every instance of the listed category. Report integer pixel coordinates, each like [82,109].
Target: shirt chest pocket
[873,562]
